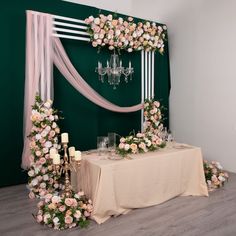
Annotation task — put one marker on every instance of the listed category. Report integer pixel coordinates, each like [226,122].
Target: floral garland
[214,174]
[43,136]
[118,33]
[61,212]
[150,139]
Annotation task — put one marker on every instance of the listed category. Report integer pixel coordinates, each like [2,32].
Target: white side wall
[202,41]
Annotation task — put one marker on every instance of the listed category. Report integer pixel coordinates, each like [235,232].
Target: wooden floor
[181,216]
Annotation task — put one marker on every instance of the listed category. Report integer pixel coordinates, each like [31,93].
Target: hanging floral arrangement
[43,136]
[119,33]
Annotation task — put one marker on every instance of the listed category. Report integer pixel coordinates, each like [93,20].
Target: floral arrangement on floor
[214,174]
[44,135]
[119,33]
[151,138]
[61,212]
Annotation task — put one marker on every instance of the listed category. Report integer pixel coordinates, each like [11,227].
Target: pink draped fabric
[63,63]
[42,49]
[38,75]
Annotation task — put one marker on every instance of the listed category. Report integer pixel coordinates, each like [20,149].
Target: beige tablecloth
[117,186]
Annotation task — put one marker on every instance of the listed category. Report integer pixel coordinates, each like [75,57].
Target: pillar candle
[52,152]
[77,155]
[129,64]
[56,159]
[64,138]
[71,151]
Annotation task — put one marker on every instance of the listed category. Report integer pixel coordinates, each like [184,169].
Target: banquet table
[142,180]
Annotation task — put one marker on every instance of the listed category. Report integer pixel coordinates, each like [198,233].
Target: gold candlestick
[67,165]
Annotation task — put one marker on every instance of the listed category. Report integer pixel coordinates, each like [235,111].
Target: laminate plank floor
[182,216]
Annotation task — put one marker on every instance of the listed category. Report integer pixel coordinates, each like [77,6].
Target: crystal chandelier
[114,70]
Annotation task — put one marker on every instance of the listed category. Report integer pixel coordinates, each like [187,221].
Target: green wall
[83,120]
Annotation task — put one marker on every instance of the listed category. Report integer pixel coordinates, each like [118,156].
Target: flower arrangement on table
[119,33]
[150,139]
[214,174]
[43,137]
[61,212]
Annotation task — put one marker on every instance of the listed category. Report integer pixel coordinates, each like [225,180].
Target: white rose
[48,144]
[221,178]
[97,21]
[56,221]
[109,17]
[51,117]
[45,177]
[42,185]
[31,173]
[54,125]
[96,36]
[218,165]
[48,103]
[44,133]
[117,32]
[38,136]
[127,147]
[34,182]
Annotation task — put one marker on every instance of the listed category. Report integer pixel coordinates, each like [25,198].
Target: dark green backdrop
[83,120]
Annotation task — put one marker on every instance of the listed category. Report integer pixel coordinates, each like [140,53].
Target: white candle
[107,64]
[129,64]
[120,63]
[71,151]
[52,152]
[77,155]
[64,138]
[56,159]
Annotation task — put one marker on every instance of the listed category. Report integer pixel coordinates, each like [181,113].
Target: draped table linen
[117,186]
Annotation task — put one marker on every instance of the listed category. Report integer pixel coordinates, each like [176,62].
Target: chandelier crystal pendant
[114,70]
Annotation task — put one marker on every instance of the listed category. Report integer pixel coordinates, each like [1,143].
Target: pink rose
[52,133]
[38,153]
[81,193]
[42,193]
[69,201]
[77,214]
[121,145]
[39,218]
[31,195]
[86,214]
[40,204]
[62,208]
[89,208]
[48,197]
[94,44]
[42,160]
